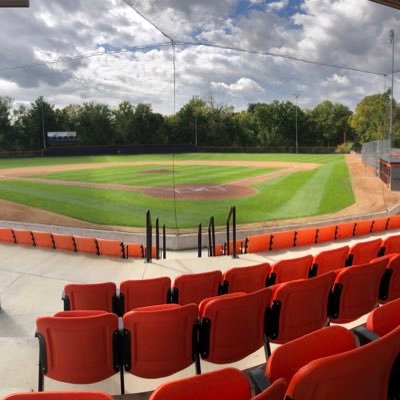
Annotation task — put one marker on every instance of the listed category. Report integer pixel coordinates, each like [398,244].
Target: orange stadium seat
[64,242]
[23,237]
[91,296]
[226,383]
[391,244]
[306,237]
[380,224]
[159,340]
[239,247]
[245,279]
[283,240]
[193,288]
[363,228]
[7,235]
[384,319]
[345,230]
[329,260]
[289,270]
[86,245]
[219,250]
[133,250]
[394,222]
[59,396]
[326,233]
[146,292]
[364,252]
[232,325]
[258,244]
[111,248]
[77,346]
[43,239]
[390,284]
[356,291]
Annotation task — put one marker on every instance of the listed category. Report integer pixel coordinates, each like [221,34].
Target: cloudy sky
[121,50]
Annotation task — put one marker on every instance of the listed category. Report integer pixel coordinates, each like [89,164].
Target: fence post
[199,241]
[149,233]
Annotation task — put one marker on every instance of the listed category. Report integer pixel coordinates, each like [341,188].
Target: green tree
[5,122]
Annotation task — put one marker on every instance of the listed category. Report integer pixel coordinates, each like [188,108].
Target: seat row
[89,245]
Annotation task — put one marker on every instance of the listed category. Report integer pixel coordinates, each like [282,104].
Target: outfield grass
[324,190]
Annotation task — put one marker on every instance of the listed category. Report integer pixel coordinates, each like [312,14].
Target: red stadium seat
[384,319]
[23,237]
[283,240]
[363,228]
[329,260]
[219,250]
[345,230]
[361,373]
[239,247]
[161,339]
[43,239]
[300,307]
[91,296]
[193,288]
[364,252]
[133,250]
[394,222]
[380,224]
[392,289]
[86,245]
[245,279]
[356,291]
[64,242]
[306,237]
[326,233]
[232,326]
[258,244]
[143,293]
[77,346]
[289,270]
[7,235]
[59,396]
[111,248]
[391,244]
[226,383]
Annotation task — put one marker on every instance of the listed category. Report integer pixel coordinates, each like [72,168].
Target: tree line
[201,122]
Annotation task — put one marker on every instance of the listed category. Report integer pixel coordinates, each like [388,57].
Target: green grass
[323,190]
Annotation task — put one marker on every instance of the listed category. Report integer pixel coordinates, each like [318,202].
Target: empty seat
[364,252]
[91,296]
[384,319]
[146,292]
[43,239]
[326,233]
[283,240]
[289,270]
[329,260]
[159,340]
[226,383]
[380,224]
[77,346]
[345,230]
[363,228]
[258,244]
[133,250]
[361,373]
[391,244]
[7,235]
[356,291]
[394,222]
[300,307]
[86,245]
[193,288]
[390,286]
[64,242]
[306,237]
[232,326]
[229,251]
[59,396]
[219,250]
[23,237]
[245,279]
[111,248]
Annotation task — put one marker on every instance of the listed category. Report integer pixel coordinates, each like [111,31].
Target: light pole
[195,129]
[43,130]
[391,40]
[296,95]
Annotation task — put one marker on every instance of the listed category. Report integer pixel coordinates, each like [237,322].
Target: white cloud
[241,86]
[277,5]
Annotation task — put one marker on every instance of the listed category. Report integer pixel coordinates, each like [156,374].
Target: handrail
[232,214]
[199,241]
[149,238]
[157,239]
[164,243]
[211,237]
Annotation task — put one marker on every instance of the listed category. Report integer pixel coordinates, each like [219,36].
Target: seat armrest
[364,335]
[261,382]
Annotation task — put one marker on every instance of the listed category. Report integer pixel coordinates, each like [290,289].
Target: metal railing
[211,237]
[232,215]
[149,238]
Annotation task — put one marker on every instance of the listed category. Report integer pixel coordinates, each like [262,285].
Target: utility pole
[296,95]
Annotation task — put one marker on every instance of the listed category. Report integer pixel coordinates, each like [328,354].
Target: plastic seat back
[228,247]
[384,319]
[232,326]
[133,250]
[64,242]
[330,260]
[53,395]
[23,237]
[111,248]
[77,346]
[364,252]
[380,224]
[290,270]
[300,307]
[86,245]
[306,237]
[258,244]
[193,288]
[143,293]
[326,233]
[345,230]
[7,235]
[283,240]
[392,244]
[362,373]
[363,228]
[356,291]
[90,296]
[393,289]
[161,339]
[245,279]
[43,239]
[394,222]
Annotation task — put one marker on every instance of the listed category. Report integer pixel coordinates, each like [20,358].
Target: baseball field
[183,190]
